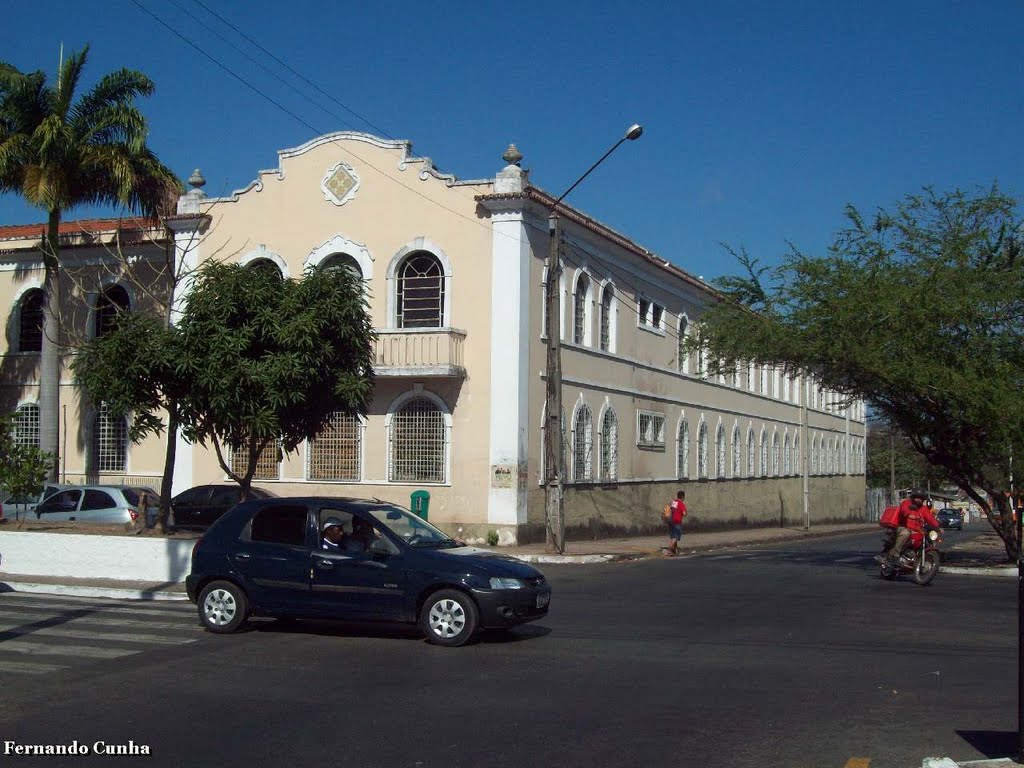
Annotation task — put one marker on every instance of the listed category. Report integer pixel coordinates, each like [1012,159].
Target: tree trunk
[167,483]
[49,358]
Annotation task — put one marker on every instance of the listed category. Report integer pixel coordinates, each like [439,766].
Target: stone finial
[196,179]
[512,155]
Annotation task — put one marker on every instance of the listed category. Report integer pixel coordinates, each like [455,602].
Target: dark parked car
[267,558]
[199,507]
[950,518]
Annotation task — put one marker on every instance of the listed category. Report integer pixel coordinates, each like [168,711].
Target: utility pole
[554,448]
[805,459]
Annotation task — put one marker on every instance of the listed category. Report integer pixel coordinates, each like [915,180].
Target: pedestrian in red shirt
[674,514]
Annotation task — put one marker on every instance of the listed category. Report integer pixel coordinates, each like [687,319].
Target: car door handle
[323,563]
[242,556]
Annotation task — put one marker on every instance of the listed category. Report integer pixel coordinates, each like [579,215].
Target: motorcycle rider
[914,516]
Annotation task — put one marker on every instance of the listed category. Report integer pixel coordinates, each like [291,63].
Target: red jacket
[916,519]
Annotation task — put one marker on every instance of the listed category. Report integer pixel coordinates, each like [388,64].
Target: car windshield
[413,530]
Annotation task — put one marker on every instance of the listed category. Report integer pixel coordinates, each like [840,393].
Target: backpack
[890,518]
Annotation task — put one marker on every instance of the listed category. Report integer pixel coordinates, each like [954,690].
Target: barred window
[797,466]
[109,306]
[268,463]
[342,261]
[417,443]
[583,443]
[702,451]
[720,451]
[336,452]
[650,432]
[581,310]
[737,453]
[609,446]
[762,469]
[109,441]
[683,451]
[420,292]
[606,318]
[787,457]
[26,425]
[30,321]
[751,453]
[776,468]
[814,455]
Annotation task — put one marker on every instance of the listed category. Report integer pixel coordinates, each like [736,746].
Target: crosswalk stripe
[29,667]
[31,616]
[82,651]
[14,630]
[99,608]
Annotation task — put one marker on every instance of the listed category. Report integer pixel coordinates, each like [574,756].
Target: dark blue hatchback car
[268,557]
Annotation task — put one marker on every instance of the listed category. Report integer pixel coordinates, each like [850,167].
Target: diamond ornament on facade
[340,184]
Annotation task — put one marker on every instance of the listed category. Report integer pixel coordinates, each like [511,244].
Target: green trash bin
[419,503]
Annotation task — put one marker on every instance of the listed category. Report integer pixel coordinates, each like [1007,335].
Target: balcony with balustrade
[419,352]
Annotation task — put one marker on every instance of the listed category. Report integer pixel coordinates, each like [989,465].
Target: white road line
[85,634]
[857,559]
[29,668]
[80,651]
[98,608]
[31,616]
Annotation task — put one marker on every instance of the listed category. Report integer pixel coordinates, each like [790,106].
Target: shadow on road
[992,744]
[384,630]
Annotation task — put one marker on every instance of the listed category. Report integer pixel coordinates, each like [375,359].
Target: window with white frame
[776,457]
[109,441]
[110,305]
[30,321]
[418,443]
[650,429]
[609,446]
[607,327]
[813,455]
[342,261]
[737,453]
[751,453]
[643,310]
[657,315]
[581,311]
[702,359]
[787,457]
[683,450]
[582,445]
[420,292]
[336,452]
[762,469]
[798,468]
[702,451]
[751,377]
[682,355]
[26,425]
[720,451]
[268,462]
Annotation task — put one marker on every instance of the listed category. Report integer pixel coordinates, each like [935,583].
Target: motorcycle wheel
[925,571]
[887,573]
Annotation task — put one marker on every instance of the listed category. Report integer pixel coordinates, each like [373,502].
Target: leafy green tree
[57,153]
[23,468]
[889,452]
[918,311]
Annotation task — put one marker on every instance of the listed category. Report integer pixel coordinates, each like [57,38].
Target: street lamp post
[554,458]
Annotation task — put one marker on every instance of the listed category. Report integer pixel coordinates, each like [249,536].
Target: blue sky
[761,120]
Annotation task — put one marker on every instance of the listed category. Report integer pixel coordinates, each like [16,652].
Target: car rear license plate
[543,599]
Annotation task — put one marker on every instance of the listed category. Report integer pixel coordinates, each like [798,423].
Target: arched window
[751,453]
[813,455]
[420,292]
[266,267]
[609,446]
[844,458]
[720,451]
[737,453]
[343,261]
[702,451]
[582,445]
[109,306]
[683,450]
[109,441]
[607,319]
[26,425]
[787,457]
[30,321]
[682,355]
[581,311]
[418,443]
[776,456]
[336,452]
[762,469]
[798,468]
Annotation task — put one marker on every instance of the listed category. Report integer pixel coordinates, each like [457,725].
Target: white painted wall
[97,557]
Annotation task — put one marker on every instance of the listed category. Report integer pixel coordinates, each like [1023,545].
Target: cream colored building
[454,273]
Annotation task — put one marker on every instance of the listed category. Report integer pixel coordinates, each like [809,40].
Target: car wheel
[223,607]
[449,618]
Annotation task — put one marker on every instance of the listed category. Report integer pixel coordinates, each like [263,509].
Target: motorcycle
[920,557]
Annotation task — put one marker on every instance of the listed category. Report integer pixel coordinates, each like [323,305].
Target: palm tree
[58,153]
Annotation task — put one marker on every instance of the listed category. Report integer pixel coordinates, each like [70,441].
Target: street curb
[974,571]
[117,593]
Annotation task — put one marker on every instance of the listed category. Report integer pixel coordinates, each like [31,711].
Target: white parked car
[95,504]
[20,508]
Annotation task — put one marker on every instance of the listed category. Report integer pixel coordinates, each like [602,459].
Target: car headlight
[500,583]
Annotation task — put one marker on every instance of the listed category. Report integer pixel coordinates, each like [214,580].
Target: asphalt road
[792,655]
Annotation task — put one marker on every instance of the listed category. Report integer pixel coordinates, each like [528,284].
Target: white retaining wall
[95,557]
